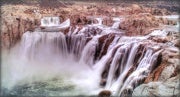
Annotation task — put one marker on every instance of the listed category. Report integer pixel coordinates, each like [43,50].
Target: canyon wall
[17,19]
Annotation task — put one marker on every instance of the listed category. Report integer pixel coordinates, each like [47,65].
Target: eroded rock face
[104,43]
[28,17]
[139,24]
[170,61]
[15,22]
[164,80]
[156,11]
[168,88]
[11,33]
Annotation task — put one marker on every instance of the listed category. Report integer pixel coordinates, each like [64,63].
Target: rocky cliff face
[16,21]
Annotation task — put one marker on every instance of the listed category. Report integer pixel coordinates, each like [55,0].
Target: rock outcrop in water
[95,38]
[105,93]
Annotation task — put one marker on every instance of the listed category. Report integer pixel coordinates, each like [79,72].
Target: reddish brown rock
[139,24]
[108,21]
[27,17]
[154,76]
[156,11]
[160,39]
[104,43]
[169,64]
[177,42]
[105,93]
[15,31]
[103,82]
[135,9]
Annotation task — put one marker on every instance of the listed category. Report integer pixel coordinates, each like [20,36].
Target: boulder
[176,42]
[168,88]
[105,93]
[166,73]
[103,82]
[136,9]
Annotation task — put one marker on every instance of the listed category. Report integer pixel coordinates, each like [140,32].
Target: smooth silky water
[46,76]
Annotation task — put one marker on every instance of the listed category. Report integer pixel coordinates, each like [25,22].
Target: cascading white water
[117,22]
[44,42]
[82,57]
[113,64]
[141,71]
[89,51]
[50,21]
[100,20]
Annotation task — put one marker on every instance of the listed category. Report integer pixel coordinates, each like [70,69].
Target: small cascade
[126,63]
[100,20]
[112,68]
[118,63]
[177,24]
[117,22]
[89,51]
[54,26]
[76,44]
[114,42]
[50,21]
[141,72]
[65,24]
[158,33]
[36,43]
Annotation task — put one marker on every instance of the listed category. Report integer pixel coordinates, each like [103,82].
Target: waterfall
[36,43]
[53,25]
[108,60]
[117,22]
[100,20]
[141,71]
[50,21]
[116,58]
[89,51]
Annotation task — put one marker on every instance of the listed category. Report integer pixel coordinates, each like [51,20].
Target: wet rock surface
[105,93]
